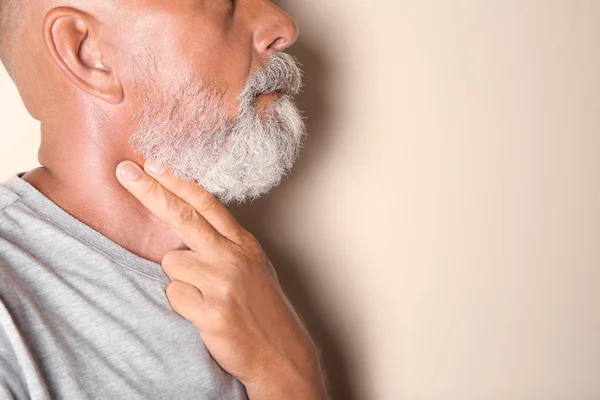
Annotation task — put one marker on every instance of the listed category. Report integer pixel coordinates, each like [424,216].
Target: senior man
[122,274]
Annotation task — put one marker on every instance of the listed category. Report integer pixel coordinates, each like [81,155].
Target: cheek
[229,61]
[193,50]
[231,71]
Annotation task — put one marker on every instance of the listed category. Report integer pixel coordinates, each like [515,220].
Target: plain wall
[440,233]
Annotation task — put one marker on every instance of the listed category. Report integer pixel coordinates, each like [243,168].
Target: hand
[228,289]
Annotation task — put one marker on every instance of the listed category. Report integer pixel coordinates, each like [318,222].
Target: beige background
[440,233]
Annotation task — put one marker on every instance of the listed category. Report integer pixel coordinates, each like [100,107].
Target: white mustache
[282,73]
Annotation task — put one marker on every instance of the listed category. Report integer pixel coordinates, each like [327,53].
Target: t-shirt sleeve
[12,382]
[12,386]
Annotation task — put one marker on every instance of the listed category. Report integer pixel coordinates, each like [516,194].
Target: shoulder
[12,234]
[10,223]
[7,198]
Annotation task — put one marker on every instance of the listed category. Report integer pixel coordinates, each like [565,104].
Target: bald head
[8,18]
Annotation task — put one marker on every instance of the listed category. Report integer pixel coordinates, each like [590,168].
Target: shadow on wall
[313,102]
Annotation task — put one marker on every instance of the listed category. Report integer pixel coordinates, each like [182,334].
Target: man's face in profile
[211,93]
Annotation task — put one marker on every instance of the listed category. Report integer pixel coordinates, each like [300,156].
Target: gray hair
[185,127]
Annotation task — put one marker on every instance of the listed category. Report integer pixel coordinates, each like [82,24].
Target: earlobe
[70,36]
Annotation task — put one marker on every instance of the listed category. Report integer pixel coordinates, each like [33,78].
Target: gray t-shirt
[83,318]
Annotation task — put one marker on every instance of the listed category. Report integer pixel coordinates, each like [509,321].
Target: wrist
[283,382]
[292,390]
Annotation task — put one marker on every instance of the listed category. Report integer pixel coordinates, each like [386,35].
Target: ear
[72,38]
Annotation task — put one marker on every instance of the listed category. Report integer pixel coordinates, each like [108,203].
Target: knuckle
[171,261]
[225,290]
[150,189]
[181,259]
[238,234]
[207,204]
[173,291]
[252,245]
[170,258]
[179,262]
[219,320]
[182,215]
[179,292]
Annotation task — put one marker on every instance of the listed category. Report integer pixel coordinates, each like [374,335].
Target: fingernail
[155,168]
[129,171]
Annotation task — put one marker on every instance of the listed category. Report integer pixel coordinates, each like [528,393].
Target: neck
[86,188]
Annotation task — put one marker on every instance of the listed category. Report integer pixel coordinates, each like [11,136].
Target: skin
[86,110]
[227,287]
[77,78]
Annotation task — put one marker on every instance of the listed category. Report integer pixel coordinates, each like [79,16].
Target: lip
[271,95]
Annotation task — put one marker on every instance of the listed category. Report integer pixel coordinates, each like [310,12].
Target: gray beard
[239,159]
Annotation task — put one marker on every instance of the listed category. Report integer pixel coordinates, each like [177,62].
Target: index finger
[192,228]
[203,201]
